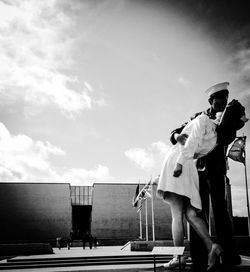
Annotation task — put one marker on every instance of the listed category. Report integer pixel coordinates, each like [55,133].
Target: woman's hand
[177,170]
[181,138]
[244,118]
[196,156]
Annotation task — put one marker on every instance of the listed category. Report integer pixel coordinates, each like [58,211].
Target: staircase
[32,263]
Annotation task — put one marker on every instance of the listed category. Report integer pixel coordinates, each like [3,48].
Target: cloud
[160,147]
[37,40]
[184,82]
[141,157]
[240,61]
[23,159]
[149,159]
[80,176]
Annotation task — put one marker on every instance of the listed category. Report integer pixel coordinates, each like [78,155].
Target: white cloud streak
[184,82]
[23,159]
[150,158]
[36,44]
[79,176]
[141,157]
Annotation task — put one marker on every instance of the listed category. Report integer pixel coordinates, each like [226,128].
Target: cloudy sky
[90,90]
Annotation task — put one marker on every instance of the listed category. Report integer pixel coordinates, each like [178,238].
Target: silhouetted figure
[95,242]
[83,240]
[89,238]
[59,242]
[78,234]
[70,239]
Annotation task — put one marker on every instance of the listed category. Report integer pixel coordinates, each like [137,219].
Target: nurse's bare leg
[214,250]
[176,205]
[198,225]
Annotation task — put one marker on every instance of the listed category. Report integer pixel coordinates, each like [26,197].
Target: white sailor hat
[216,88]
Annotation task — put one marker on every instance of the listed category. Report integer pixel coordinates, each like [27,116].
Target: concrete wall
[34,212]
[42,211]
[113,216]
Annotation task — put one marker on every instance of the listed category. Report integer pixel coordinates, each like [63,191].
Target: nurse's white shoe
[174,263]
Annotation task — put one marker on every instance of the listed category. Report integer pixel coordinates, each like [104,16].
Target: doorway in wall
[81,220]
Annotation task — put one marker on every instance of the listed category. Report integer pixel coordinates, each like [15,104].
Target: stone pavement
[104,251]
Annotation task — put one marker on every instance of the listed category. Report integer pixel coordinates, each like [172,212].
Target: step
[84,261]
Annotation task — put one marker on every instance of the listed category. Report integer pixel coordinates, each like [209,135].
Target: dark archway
[81,220]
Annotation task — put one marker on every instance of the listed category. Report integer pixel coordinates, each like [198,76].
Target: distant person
[70,239]
[78,234]
[95,242]
[59,242]
[83,240]
[89,239]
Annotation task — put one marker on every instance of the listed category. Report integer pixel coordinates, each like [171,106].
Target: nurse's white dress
[201,140]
